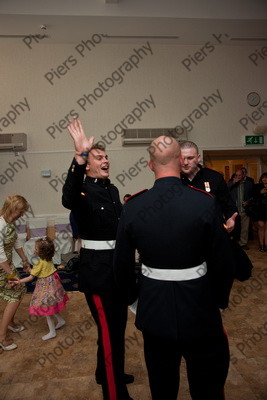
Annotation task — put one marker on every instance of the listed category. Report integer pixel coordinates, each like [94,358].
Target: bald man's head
[165,156]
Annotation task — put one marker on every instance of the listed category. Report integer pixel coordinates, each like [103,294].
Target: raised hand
[81,143]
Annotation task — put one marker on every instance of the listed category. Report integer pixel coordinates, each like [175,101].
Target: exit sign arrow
[252,139]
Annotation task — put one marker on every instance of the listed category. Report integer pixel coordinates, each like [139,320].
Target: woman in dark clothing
[260,217]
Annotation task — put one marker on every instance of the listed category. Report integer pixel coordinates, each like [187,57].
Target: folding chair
[63,239]
[37,230]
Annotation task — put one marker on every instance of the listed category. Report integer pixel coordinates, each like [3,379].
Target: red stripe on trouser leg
[225,332]
[106,347]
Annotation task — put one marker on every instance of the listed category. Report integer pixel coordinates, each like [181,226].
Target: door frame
[260,155]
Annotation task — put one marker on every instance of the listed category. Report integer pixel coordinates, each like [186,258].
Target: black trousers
[207,362]
[110,315]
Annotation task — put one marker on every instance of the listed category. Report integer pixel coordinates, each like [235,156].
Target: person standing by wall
[241,192]
[246,177]
[260,210]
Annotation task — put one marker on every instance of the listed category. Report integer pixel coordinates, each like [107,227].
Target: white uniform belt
[98,244]
[175,274]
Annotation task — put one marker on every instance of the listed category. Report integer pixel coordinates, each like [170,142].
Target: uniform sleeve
[124,261]
[3,256]
[73,185]
[225,200]
[220,261]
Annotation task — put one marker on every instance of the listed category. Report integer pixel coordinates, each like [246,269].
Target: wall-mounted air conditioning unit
[13,142]
[137,137]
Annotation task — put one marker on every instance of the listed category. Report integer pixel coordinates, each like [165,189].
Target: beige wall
[226,73]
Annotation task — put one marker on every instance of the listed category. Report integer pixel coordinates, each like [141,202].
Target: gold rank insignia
[207,186]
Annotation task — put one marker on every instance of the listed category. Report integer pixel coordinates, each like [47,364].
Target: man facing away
[96,206]
[186,277]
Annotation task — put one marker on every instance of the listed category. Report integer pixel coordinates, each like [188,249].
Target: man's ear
[198,158]
[151,166]
[87,168]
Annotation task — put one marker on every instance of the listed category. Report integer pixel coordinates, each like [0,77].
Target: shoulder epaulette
[136,194]
[200,190]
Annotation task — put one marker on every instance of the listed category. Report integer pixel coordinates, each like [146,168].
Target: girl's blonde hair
[13,203]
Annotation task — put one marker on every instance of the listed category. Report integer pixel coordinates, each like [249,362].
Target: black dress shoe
[127,379]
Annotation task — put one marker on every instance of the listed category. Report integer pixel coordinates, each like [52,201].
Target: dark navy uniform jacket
[218,187]
[96,207]
[174,227]
[207,178]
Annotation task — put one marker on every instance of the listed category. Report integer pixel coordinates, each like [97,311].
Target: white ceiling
[175,21]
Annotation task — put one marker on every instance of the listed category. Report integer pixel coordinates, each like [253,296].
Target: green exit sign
[252,139]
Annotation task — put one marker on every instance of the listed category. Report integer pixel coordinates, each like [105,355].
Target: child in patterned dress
[49,296]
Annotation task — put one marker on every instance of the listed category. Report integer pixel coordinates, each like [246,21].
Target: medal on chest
[207,186]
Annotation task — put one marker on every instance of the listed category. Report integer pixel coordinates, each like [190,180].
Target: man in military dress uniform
[96,206]
[186,277]
[193,174]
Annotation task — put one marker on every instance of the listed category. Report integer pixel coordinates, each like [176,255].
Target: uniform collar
[167,179]
[99,181]
[199,173]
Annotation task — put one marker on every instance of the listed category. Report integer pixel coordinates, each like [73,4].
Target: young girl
[49,296]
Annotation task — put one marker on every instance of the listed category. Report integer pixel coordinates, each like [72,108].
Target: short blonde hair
[13,203]
[189,145]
